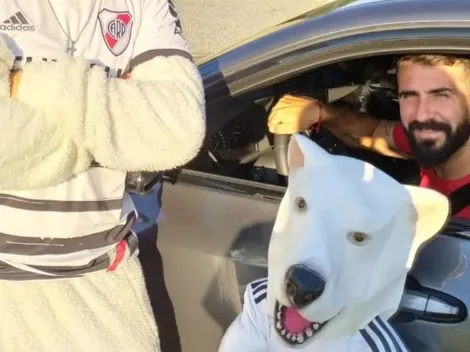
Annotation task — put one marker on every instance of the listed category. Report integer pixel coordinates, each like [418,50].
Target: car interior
[245,149]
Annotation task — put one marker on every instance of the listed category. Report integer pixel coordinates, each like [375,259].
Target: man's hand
[15,78]
[293,114]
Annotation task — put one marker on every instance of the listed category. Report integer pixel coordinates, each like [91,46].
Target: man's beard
[426,153]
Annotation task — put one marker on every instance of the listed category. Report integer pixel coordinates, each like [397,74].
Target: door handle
[432,305]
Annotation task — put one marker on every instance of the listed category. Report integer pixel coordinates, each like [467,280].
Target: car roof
[371,9]
[355,3]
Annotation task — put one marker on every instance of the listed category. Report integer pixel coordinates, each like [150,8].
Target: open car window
[243,147]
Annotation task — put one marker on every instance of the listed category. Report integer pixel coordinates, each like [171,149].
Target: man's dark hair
[436,59]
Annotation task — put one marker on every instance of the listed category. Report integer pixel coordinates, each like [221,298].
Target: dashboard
[240,136]
[232,142]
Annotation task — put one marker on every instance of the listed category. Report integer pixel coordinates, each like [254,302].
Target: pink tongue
[294,322]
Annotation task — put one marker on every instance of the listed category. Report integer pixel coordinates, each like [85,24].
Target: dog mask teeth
[294,337]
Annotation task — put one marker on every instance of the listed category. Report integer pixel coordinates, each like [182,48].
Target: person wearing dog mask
[73,129]
[434,95]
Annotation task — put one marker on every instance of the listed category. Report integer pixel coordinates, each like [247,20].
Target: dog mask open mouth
[292,327]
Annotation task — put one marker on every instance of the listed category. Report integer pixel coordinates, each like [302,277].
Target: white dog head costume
[345,236]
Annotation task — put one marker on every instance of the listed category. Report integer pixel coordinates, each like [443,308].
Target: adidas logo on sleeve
[17,22]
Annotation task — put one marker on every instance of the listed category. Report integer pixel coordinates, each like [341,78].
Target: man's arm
[293,114]
[155,120]
[35,151]
[360,130]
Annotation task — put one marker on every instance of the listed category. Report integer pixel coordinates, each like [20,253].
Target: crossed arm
[62,116]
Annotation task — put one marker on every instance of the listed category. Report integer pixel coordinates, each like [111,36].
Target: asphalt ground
[213,25]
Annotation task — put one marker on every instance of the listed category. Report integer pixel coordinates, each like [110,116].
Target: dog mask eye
[300,204]
[358,238]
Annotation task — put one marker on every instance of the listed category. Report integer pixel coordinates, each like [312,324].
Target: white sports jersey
[251,331]
[75,223]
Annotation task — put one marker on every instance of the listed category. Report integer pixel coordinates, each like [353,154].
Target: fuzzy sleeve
[35,150]
[151,122]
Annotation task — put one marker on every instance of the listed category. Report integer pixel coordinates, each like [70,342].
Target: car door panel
[438,320]
[213,234]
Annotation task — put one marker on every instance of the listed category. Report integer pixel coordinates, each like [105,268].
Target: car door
[433,312]
[214,230]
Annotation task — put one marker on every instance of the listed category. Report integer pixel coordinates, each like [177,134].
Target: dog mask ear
[302,152]
[431,209]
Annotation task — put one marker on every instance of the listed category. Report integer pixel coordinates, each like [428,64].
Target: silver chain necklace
[70,48]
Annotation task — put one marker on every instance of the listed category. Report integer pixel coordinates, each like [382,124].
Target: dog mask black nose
[303,286]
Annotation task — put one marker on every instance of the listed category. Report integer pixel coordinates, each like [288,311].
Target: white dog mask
[345,236]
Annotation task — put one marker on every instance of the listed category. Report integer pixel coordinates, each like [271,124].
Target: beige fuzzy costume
[99,312]
[56,134]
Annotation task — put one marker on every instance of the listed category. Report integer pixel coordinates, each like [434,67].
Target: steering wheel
[323,137]
[281,142]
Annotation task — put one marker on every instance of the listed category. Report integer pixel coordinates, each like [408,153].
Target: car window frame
[310,57]
[228,90]
[316,54]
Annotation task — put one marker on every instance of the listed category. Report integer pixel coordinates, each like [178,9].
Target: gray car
[218,210]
